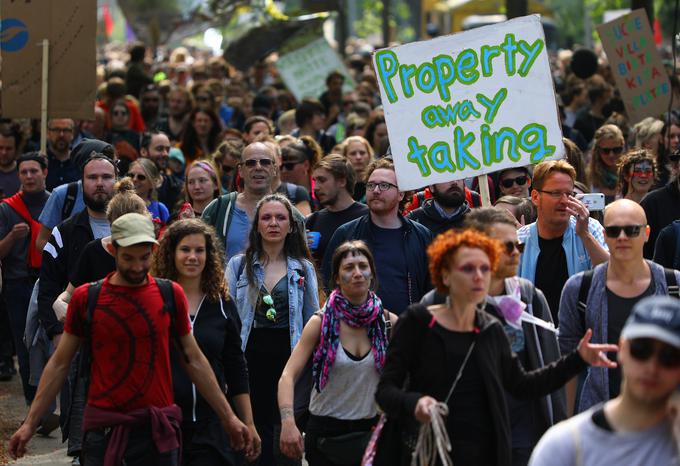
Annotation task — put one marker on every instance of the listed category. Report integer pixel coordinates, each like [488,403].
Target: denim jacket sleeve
[311,299]
[232,270]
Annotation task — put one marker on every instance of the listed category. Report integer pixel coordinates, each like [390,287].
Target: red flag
[657,32]
[108,20]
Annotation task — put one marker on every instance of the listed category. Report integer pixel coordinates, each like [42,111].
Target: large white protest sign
[471,103]
[305,69]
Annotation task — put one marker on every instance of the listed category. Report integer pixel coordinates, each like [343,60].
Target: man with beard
[61,254]
[397,243]
[60,167]
[156,146]
[179,107]
[445,210]
[334,179]
[150,100]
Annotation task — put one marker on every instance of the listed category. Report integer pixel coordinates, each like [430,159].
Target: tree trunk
[386,23]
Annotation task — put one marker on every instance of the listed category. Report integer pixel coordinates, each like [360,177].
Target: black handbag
[345,449]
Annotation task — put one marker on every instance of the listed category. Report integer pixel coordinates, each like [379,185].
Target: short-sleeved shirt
[130,344]
[9,183]
[295,193]
[51,214]
[159,211]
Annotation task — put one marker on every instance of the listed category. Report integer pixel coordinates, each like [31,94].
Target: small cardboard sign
[70,26]
[467,104]
[635,62]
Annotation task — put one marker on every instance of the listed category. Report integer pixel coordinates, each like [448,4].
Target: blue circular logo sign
[13,35]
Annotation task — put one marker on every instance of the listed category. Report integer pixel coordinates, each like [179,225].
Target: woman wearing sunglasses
[274,287]
[637,174]
[457,359]
[147,179]
[608,146]
[514,182]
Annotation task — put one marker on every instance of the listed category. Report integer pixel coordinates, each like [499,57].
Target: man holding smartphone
[564,240]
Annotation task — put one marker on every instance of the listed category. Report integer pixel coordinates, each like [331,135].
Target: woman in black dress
[432,345]
[189,254]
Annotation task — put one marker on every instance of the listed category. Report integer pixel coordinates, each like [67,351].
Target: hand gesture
[594,354]
[239,435]
[291,442]
[579,210]
[17,444]
[20,230]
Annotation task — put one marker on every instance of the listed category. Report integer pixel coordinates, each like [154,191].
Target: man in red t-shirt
[130,390]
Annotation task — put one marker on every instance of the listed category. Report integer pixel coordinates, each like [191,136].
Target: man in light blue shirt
[564,240]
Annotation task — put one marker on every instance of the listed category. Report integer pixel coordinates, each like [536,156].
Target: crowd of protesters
[211,272]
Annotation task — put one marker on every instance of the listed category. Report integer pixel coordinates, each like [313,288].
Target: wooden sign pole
[483,182]
[43,104]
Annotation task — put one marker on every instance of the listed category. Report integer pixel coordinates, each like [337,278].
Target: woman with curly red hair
[458,360]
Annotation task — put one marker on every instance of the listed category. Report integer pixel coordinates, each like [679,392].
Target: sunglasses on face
[616,150]
[642,349]
[264,163]
[510,246]
[519,181]
[631,231]
[137,176]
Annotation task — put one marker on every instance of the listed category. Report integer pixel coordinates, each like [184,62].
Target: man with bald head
[603,298]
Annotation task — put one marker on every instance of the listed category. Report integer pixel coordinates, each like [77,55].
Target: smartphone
[593,201]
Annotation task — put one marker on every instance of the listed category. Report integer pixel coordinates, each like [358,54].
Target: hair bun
[124,185]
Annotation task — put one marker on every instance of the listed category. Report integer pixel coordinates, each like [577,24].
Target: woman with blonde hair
[147,179]
[608,145]
[201,185]
[647,135]
[360,154]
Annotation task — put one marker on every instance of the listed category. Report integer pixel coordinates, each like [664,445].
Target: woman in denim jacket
[274,286]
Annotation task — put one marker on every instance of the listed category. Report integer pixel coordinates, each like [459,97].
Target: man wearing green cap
[130,414]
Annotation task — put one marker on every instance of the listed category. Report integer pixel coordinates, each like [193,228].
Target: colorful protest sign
[471,103]
[70,26]
[304,70]
[635,62]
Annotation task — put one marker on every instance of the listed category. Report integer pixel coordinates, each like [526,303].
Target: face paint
[642,170]
[346,277]
[368,276]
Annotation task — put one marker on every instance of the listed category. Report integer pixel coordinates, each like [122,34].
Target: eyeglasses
[61,130]
[510,246]
[606,150]
[519,181]
[290,165]
[137,176]
[469,269]
[631,231]
[264,163]
[644,348]
[383,186]
[558,194]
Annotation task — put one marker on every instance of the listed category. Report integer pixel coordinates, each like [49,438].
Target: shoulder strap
[70,200]
[93,292]
[388,324]
[671,283]
[168,296]
[583,296]
[676,257]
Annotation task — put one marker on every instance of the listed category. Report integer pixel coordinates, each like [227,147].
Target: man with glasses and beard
[445,210]
[635,427]
[602,299]
[62,251]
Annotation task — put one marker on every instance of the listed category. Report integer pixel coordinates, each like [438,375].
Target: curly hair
[628,161]
[596,169]
[213,283]
[440,253]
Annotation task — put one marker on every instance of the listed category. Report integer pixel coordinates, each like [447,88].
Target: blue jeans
[17,294]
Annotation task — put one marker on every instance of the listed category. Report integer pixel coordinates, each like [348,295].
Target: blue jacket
[303,297]
[578,259]
[596,385]
[416,239]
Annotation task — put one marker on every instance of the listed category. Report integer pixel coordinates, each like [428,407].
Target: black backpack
[69,200]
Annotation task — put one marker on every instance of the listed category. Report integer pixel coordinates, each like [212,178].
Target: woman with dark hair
[574,156]
[256,126]
[298,162]
[376,130]
[608,145]
[274,285]
[457,360]
[190,255]
[120,135]
[637,174]
[201,136]
[347,339]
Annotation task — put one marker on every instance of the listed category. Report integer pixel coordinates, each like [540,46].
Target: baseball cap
[655,317]
[130,229]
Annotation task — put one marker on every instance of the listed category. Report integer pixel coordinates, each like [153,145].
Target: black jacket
[416,239]
[662,206]
[429,216]
[418,353]
[59,258]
